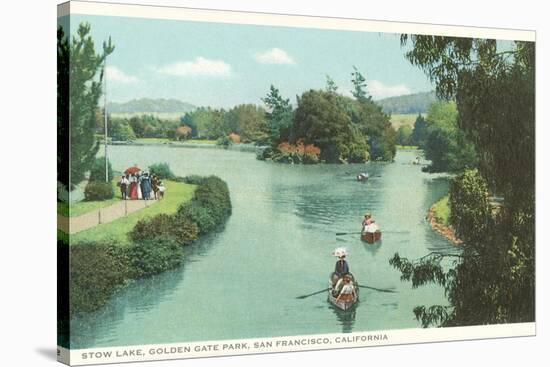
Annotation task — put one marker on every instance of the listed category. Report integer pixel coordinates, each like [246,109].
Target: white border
[298,21]
[150,352]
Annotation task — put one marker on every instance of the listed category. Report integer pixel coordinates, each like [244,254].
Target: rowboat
[371,237]
[362,176]
[343,305]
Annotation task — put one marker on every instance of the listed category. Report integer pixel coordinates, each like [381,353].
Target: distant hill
[149,105]
[411,103]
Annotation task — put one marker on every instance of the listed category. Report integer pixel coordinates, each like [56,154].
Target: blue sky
[222,65]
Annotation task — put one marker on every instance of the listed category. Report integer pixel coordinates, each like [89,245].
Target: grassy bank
[117,231]
[442,210]
[439,218]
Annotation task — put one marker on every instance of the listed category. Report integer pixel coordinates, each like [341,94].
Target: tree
[322,120]
[279,116]
[404,135]
[374,124]
[493,280]
[208,122]
[183,132]
[249,122]
[359,86]
[420,131]
[331,85]
[80,77]
[446,146]
[120,130]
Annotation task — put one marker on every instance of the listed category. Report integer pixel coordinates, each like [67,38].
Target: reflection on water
[243,281]
[345,318]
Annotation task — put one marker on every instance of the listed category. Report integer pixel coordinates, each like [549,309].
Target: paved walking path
[107,214]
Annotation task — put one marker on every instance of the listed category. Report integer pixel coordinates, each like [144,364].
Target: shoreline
[443,230]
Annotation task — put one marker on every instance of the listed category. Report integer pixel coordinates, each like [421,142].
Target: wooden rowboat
[341,304]
[371,237]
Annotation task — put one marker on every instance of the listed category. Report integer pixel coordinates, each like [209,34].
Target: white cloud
[379,90]
[198,67]
[274,56]
[117,75]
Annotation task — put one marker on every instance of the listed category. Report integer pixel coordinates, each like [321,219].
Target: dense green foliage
[162,171]
[420,131]
[249,122]
[98,191]
[344,129]
[279,116]
[98,269]
[177,228]
[322,119]
[95,272]
[404,135]
[493,278]
[446,145]
[79,83]
[120,129]
[97,172]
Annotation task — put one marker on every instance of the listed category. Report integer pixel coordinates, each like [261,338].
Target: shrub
[163,225]
[162,170]
[97,172]
[153,255]
[198,214]
[97,191]
[94,275]
[193,179]
[224,141]
[263,154]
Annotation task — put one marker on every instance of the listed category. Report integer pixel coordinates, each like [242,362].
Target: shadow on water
[345,318]
[138,297]
[373,248]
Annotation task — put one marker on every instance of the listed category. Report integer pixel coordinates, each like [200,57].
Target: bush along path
[97,268]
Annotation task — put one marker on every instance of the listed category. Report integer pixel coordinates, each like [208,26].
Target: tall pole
[105,116]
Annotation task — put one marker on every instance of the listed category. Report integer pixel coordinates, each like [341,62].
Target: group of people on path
[141,186]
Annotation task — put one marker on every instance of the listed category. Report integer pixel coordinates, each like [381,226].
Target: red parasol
[132,170]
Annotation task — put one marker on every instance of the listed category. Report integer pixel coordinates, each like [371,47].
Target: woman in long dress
[133,187]
[139,193]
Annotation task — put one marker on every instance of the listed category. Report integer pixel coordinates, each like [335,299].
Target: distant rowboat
[371,237]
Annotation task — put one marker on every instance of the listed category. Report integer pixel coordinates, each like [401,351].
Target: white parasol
[340,251]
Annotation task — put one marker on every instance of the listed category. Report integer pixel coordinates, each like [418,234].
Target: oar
[344,233]
[377,289]
[312,294]
[391,232]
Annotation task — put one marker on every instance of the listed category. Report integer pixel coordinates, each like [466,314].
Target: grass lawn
[399,119]
[153,140]
[197,141]
[84,207]
[176,193]
[442,210]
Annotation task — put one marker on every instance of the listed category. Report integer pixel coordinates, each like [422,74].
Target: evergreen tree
[359,86]
[80,76]
[279,116]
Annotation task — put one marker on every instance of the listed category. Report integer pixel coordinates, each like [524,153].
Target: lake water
[243,281]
